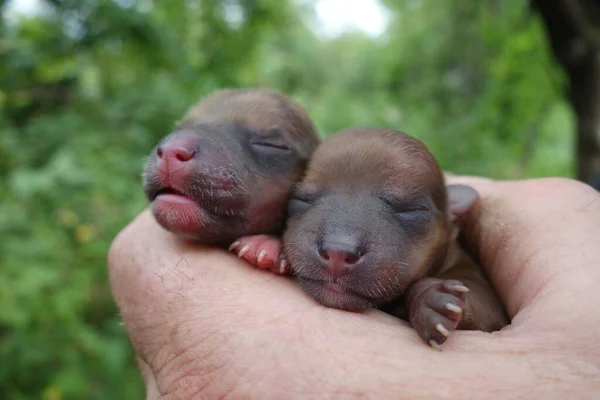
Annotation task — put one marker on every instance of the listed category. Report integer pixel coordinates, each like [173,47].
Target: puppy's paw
[438,310]
[262,251]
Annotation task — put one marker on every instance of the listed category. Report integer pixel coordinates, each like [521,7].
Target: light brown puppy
[228,167]
[372,224]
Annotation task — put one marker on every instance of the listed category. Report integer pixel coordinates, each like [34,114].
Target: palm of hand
[205,325]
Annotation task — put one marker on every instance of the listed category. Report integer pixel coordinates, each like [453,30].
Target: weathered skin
[229,166]
[372,224]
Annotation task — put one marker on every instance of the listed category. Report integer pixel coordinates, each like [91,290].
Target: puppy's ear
[460,199]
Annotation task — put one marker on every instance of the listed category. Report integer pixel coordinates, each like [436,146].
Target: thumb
[181,303]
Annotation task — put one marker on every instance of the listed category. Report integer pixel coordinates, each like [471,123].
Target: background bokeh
[89,86]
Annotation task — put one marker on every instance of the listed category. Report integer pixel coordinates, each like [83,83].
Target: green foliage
[89,87]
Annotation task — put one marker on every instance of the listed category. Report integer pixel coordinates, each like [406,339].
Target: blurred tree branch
[572,28]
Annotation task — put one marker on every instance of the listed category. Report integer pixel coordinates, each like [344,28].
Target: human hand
[207,325]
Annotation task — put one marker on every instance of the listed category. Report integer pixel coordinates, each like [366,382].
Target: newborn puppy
[373,225]
[228,168]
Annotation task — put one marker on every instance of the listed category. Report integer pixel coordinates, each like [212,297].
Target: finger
[527,234]
[152,392]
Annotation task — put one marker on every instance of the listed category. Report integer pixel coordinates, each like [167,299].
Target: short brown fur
[257,109]
[236,155]
[405,258]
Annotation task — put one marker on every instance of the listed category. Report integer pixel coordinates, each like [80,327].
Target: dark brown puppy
[373,225]
[228,168]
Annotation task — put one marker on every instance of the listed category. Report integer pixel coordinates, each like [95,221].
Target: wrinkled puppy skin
[372,224]
[228,168]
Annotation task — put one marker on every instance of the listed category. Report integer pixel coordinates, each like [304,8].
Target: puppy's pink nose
[339,255]
[173,151]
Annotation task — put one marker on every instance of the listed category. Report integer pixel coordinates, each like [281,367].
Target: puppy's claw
[435,345]
[454,308]
[234,245]
[441,329]
[261,256]
[243,251]
[282,266]
[460,288]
